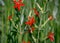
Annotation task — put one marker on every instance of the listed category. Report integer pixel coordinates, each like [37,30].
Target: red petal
[51,36]
[51,39]
[36,12]
[18,8]
[30,23]
[32,20]
[9,17]
[22,4]
[26,22]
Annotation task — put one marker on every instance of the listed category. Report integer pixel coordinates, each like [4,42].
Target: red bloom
[10,17]
[18,4]
[51,36]
[31,21]
[36,12]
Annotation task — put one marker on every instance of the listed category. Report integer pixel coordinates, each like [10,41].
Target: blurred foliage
[51,7]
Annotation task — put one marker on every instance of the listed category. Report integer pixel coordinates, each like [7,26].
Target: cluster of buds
[31,21]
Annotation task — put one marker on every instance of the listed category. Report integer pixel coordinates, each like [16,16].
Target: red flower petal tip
[51,37]
[9,17]
[50,17]
[36,12]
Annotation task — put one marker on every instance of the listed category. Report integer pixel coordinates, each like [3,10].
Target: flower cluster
[18,4]
[31,21]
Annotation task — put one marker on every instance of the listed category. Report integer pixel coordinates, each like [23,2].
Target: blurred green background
[6,8]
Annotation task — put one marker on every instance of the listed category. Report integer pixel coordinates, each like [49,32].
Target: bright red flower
[51,36]
[18,4]
[9,17]
[31,21]
[36,12]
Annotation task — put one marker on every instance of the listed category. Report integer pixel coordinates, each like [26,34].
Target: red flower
[50,17]
[18,4]
[10,17]
[36,12]
[31,21]
[51,36]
